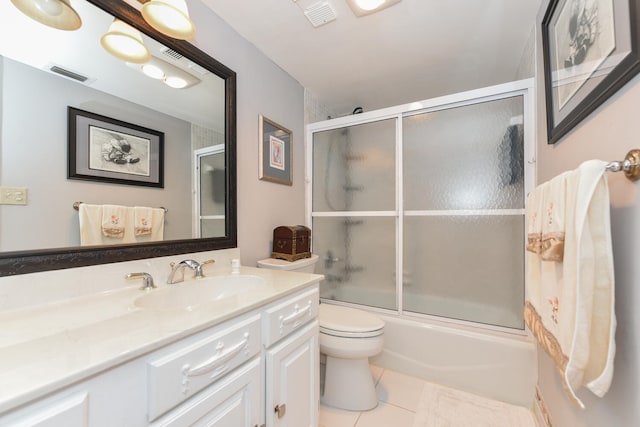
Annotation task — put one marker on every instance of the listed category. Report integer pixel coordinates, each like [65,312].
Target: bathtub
[493,364]
[472,357]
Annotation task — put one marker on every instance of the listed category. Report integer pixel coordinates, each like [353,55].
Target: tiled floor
[405,401]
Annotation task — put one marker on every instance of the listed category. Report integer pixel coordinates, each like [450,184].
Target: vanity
[231,349]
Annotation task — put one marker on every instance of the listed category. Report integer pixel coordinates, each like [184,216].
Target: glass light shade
[125,42]
[170,17]
[53,13]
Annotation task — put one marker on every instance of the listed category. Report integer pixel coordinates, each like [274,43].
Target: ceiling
[414,50]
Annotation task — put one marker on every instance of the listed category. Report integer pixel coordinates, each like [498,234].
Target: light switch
[13,196]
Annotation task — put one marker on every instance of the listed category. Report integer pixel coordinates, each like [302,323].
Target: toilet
[348,337]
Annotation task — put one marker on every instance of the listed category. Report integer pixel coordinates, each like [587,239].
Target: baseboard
[540,411]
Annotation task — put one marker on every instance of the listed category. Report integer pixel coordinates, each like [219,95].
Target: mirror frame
[23,262]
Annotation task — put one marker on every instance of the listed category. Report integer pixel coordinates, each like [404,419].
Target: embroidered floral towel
[142,219]
[570,285]
[149,224]
[113,221]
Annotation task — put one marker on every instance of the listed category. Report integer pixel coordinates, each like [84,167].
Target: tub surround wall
[607,134]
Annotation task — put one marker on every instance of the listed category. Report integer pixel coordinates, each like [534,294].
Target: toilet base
[349,385]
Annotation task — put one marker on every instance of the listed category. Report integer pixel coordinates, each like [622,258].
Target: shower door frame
[522,88]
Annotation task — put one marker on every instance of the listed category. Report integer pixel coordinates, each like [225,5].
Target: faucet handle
[199,271]
[147,280]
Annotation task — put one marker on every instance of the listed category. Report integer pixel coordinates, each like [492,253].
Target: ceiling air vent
[172,54]
[320,13]
[69,74]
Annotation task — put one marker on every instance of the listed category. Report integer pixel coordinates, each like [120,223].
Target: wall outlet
[13,196]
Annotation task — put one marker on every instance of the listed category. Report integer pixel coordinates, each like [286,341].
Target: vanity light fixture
[367,7]
[57,14]
[125,43]
[170,17]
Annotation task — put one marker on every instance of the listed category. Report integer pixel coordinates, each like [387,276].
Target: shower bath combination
[394,192]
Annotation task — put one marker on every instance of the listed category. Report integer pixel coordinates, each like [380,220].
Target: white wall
[263,88]
[608,133]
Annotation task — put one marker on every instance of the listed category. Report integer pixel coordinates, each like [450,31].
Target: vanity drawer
[288,316]
[188,368]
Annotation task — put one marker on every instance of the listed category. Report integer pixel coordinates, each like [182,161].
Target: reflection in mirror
[43,71]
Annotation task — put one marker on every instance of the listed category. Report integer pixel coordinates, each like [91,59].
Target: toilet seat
[348,322]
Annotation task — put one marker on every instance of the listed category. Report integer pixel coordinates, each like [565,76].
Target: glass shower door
[210,195]
[354,212]
[463,213]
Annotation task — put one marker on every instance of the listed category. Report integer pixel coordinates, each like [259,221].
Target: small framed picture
[109,150]
[590,50]
[276,158]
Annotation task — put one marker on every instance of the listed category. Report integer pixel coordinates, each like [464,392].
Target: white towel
[91,225]
[570,303]
[143,220]
[156,232]
[113,221]
[90,218]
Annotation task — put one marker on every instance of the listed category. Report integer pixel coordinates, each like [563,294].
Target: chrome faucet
[147,280]
[189,263]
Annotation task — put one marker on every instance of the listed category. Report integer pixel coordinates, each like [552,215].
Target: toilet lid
[348,322]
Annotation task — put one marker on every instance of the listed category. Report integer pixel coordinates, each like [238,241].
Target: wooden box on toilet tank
[291,243]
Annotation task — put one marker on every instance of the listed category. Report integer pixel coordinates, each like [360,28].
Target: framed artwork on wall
[590,50]
[109,150]
[276,152]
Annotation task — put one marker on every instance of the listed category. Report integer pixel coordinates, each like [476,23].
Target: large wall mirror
[44,74]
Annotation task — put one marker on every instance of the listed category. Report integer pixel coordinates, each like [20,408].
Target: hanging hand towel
[570,304]
[113,221]
[90,218]
[143,220]
[552,220]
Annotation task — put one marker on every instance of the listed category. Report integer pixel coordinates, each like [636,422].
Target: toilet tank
[305,265]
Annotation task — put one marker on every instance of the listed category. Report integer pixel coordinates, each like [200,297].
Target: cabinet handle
[281,410]
[297,314]
[217,360]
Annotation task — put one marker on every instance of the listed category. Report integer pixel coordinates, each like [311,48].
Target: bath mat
[445,407]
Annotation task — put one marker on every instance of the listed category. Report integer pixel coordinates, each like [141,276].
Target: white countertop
[48,346]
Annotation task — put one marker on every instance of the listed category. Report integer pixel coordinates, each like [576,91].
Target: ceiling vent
[68,74]
[171,53]
[320,13]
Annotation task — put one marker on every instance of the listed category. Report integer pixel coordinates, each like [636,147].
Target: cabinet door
[292,380]
[233,401]
[69,411]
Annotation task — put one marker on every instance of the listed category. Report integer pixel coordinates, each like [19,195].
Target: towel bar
[76,206]
[630,165]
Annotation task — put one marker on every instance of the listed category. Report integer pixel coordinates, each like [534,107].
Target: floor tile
[386,415]
[332,417]
[400,390]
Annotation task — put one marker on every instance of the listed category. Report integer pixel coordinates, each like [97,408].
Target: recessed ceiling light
[366,7]
[153,71]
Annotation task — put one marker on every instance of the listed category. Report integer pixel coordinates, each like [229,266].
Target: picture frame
[590,50]
[276,152]
[108,150]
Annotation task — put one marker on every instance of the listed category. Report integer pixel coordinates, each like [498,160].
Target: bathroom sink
[192,293]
